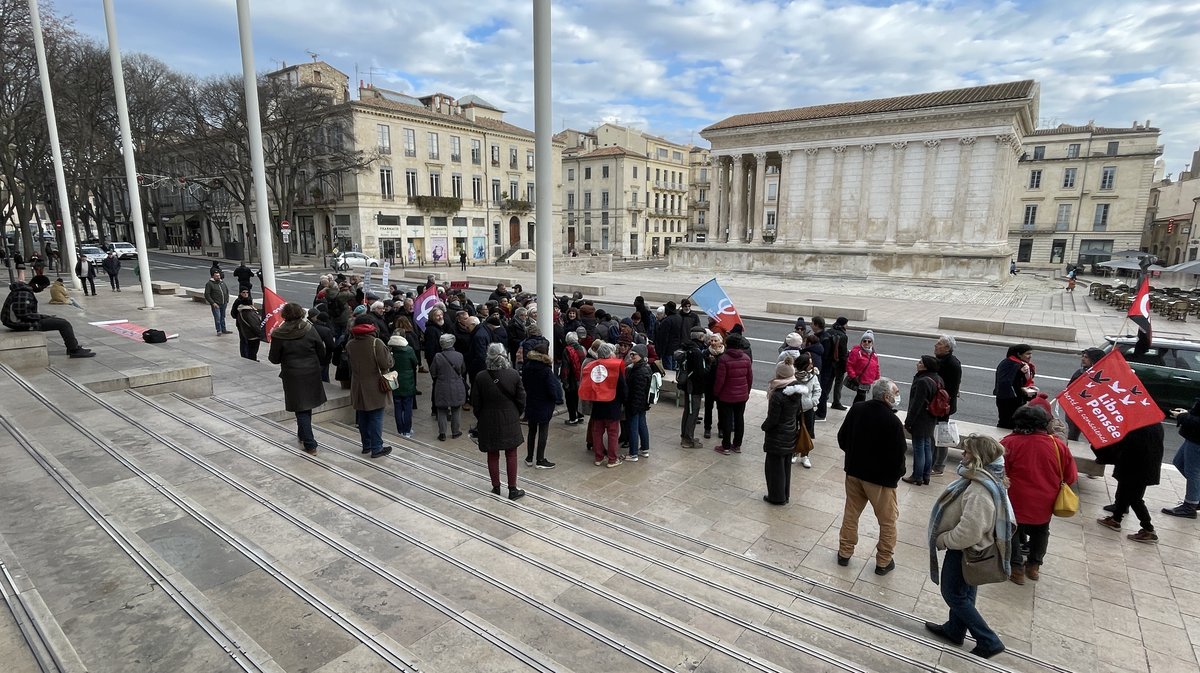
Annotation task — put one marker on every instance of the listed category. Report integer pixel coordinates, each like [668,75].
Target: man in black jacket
[837,364]
[20,313]
[1138,460]
[872,437]
[696,366]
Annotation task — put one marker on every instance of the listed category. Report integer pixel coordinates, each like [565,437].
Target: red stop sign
[285,225]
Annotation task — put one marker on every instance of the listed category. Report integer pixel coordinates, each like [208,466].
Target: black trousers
[88,281]
[1132,496]
[732,423]
[64,329]
[571,393]
[538,432]
[1038,537]
[778,471]
[114,280]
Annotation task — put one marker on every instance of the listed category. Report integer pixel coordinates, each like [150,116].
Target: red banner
[1108,401]
[598,382]
[460,285]
[272,305]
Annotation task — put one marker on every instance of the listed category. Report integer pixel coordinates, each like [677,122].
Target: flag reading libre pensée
[716,303]
[1108,401]
[272,305]
[423,305]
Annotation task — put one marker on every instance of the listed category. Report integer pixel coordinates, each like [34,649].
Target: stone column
[758,221]
[716,222]
[737,195]
[782,232]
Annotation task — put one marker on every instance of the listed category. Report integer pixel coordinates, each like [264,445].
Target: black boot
[514,493]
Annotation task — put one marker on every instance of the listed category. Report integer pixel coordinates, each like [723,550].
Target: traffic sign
[285,225]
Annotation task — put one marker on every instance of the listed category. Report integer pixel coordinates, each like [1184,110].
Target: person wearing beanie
[20,313]
[359,310]
[449,373]
[808,388]
[862,365]
[404,363]
[543,391]
[369,360]
[793,343]
[498,402]
[300,353]
[919,422]
[1035,462]
[780,429]
[637,401]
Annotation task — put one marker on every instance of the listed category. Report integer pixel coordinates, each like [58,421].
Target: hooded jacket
[542,388]
[369,359]
[20,311]
[299,351]
[404,363]
[734,377]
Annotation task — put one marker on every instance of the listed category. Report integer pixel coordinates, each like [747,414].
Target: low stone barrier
[24,350]
[656,298]
[587,290]
[195,294]
[422,274]
[488,282]
[163,287]
[1005,328]
[810,309]
[194,380]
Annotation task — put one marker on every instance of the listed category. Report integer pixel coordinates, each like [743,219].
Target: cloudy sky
[674,66]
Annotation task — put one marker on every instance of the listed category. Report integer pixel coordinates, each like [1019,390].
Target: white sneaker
[805,462]
[795,459]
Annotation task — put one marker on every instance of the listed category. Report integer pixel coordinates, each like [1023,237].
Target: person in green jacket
[405,366]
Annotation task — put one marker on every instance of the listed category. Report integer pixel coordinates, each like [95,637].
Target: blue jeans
[922,457]
[304,429]
[370,428]
[404,408]
[219,317]
[639,434]
[1187,460]
[960,598]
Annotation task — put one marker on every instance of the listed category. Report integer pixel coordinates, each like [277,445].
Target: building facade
[624,192]
[912,187]
[1083,193]
[1170,233]
[699,189]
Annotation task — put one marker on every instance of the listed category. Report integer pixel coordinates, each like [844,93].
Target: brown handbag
[804,442]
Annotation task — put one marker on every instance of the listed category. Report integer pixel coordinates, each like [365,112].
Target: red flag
[1139,313]
[1108,401]
[272,305]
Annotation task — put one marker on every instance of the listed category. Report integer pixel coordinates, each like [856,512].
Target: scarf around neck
[991,477]
[777,384]
[1023,365]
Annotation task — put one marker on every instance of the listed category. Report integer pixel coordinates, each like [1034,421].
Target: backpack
[154,336]
[656,380]
[681,370]
[840,341]
[939,404]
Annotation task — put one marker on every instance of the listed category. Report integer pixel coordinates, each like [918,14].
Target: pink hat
[1042,400]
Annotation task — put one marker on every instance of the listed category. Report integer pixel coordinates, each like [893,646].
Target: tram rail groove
[592,630]
[687,632]
[40,649]
[717,612]
[807,597]
[206,622]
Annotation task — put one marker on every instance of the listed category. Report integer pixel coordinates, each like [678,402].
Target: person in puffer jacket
[404,360]
[808,387]
[732,383]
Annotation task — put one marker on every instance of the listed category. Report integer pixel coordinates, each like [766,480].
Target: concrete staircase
[169,534]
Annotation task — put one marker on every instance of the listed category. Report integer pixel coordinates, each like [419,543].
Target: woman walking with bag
[498,401]
[780,427]
[449,374]
[298,350]
[972,521]
[862,367]
[1037,464]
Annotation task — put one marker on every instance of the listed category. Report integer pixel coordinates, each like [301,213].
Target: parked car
[93,253]
[124,250]
[353,260]
[1170,369]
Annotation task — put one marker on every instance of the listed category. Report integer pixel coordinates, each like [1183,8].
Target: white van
[124,250]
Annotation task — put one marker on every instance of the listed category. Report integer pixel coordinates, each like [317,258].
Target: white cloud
[675,66]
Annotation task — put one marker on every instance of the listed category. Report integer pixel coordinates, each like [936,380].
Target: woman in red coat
[863,364]
[734,378]
[1036,462]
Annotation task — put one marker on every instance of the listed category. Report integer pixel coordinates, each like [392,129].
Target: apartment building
[699,188]
[1083,193]
[1170,232]
[625,192]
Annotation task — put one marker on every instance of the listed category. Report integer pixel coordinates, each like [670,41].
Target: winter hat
[446,341]
[641,350]
[581,332]
[494,320]
[697,332]
[842,321]
[930,363]
[497,357]
[364,320]
[785,370]
[360,309]
[1042,400]
[397,341]
[868,335]
[794,340]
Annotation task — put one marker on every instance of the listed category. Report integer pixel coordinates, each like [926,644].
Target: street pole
[66,247]
[257,164]
[544,165]
[135,196]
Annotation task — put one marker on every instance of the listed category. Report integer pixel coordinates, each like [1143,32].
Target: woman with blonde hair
[972,514]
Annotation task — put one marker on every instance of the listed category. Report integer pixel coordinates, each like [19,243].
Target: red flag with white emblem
[272,305]
[1139,313]
[1108,401]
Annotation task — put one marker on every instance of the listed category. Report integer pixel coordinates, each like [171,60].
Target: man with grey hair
[872,437]
[950,369]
